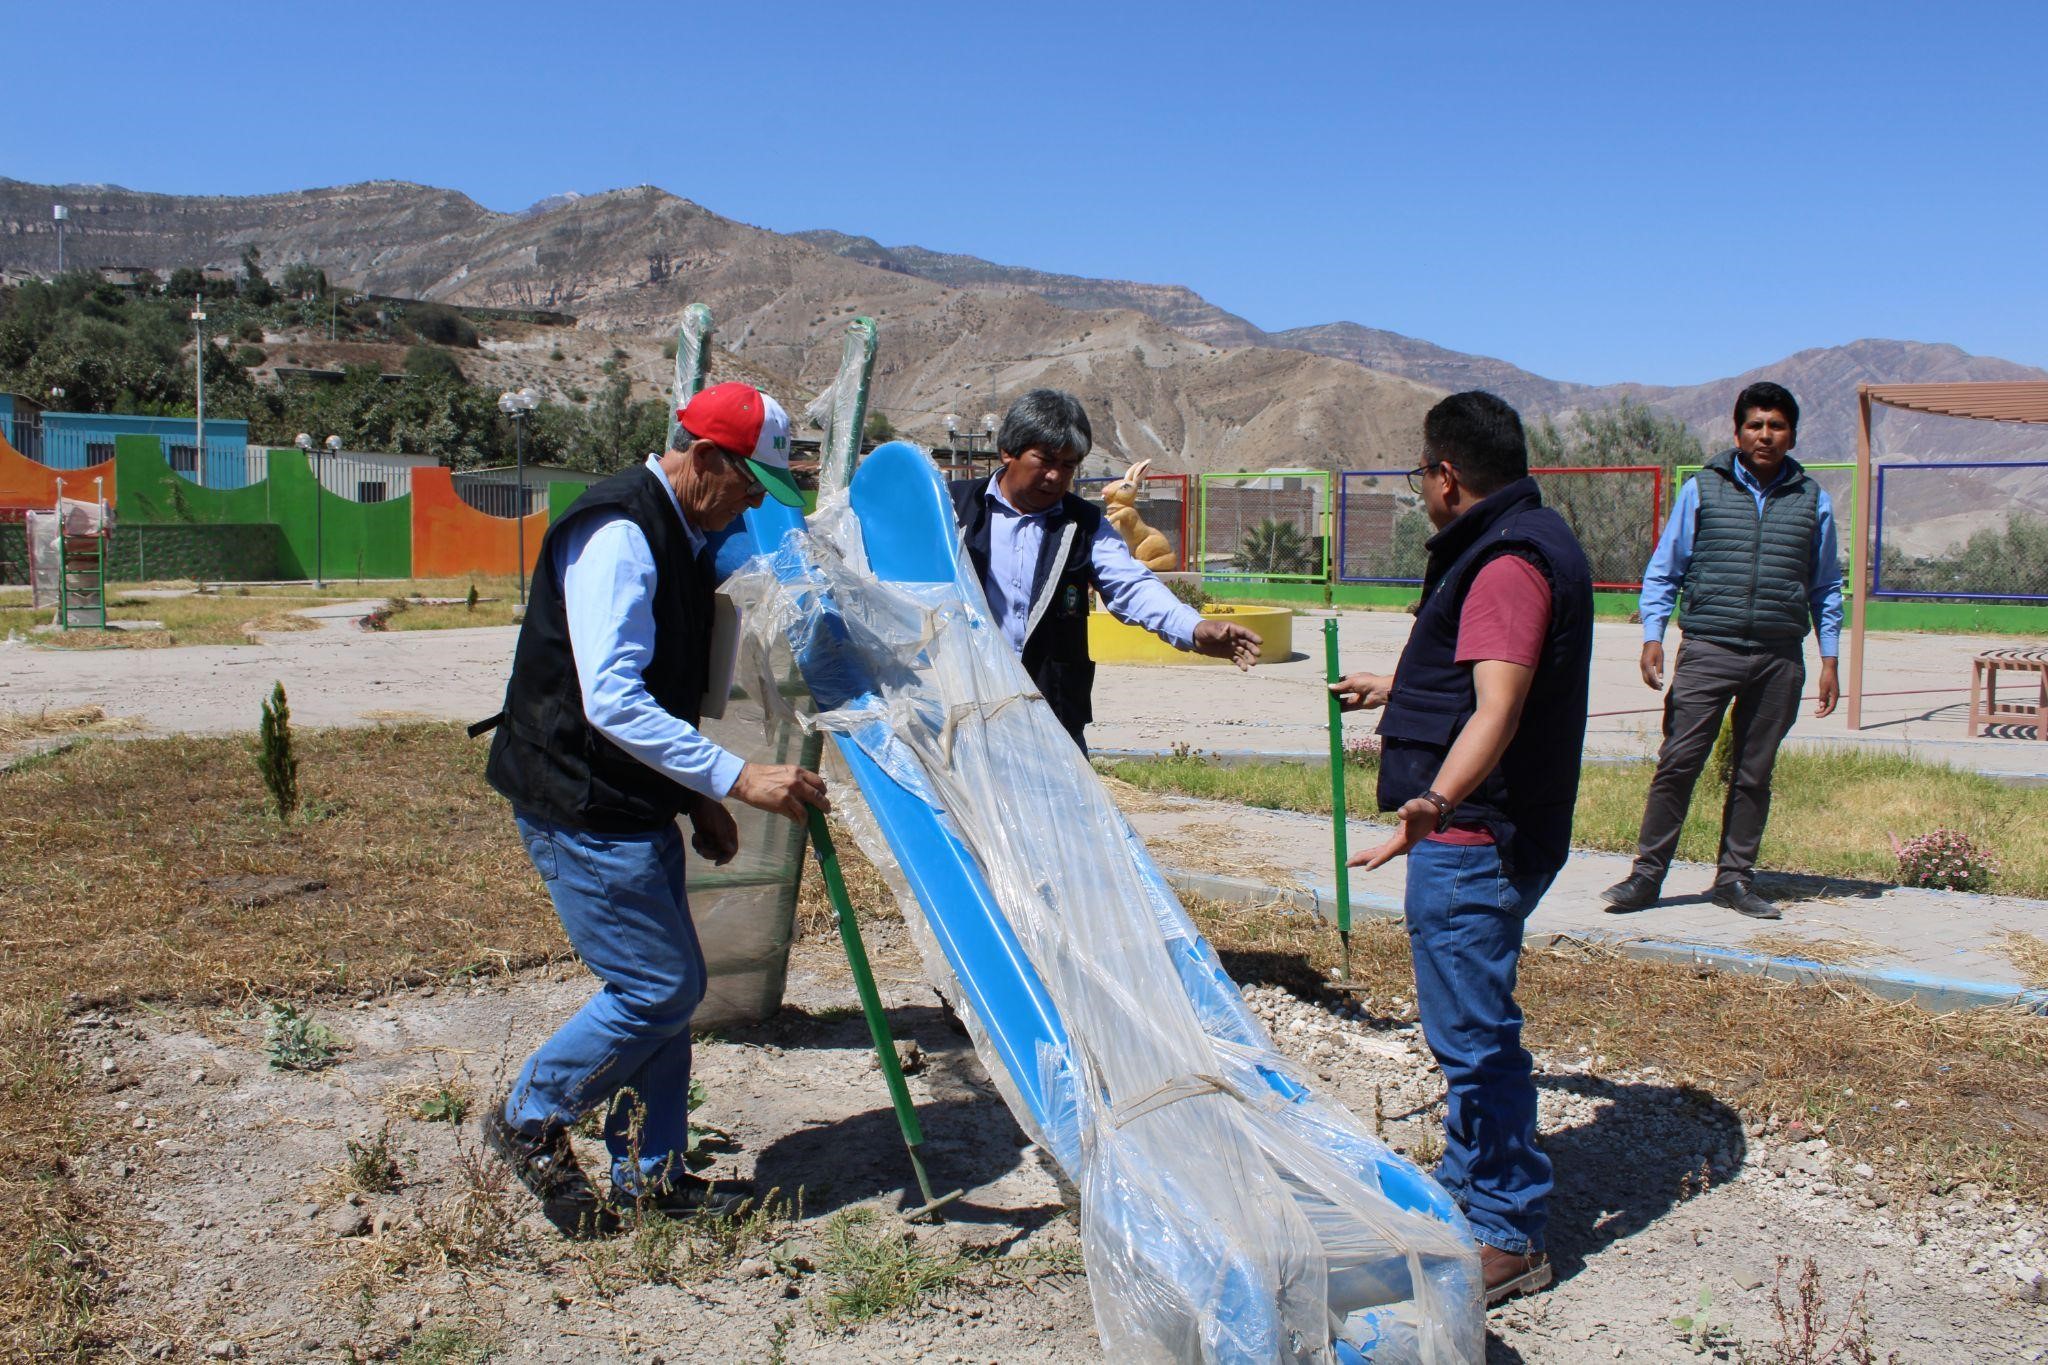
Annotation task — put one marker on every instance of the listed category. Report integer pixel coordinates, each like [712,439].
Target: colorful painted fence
[450,538]
[24,483]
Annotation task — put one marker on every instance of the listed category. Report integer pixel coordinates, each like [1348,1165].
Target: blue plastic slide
[1228,1211]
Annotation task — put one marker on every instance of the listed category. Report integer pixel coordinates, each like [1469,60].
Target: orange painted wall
[450,538]
[24,483]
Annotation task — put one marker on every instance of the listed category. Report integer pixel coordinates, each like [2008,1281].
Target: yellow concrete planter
[1110,641]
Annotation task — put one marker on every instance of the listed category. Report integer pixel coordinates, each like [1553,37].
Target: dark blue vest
[547,758]
[1056,650]
[1526,801]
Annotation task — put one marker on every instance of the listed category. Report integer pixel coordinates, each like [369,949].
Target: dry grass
[2029,953]
[150,870]
[191,620]
[1832,813]
[1834,1058]
[1821,949]
[866,888]
[22,727]
[496,611]
[228,615]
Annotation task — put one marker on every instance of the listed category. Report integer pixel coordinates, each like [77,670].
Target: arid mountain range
[1165,373]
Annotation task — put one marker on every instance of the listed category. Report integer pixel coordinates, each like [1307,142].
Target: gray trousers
[1706,677]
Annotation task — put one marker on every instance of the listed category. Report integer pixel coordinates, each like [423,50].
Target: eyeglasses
[1415,476]
[740,463]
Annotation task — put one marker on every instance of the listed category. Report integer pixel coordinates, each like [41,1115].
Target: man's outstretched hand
[1227,640]
[1418,820]
[781,789]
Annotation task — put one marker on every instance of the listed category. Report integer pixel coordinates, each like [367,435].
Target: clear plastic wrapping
[1228,1213]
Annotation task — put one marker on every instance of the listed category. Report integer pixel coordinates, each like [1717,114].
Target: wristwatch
[1443,809]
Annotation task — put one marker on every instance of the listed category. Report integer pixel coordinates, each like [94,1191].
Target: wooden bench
[1985,707]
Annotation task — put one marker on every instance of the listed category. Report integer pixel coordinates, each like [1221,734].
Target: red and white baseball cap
[749,425]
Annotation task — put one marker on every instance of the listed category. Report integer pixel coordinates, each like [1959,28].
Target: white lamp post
[60,212]
[199,368]
[519,407]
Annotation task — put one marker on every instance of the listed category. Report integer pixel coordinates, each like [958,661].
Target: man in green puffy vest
[1749,555]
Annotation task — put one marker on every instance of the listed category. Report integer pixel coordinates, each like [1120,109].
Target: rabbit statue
[1148,546]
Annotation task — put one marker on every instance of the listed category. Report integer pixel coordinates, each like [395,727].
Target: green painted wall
[353,539]
[562,495]
[149,494]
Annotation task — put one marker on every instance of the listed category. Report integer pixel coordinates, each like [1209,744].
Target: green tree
[304,280]
[1274,546]
[431,362]
[256,286]
[879,427]
[1613,515]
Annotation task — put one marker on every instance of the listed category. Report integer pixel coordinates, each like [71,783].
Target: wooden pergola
[2007,401]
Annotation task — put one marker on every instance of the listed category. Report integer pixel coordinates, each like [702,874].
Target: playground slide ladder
[82,582]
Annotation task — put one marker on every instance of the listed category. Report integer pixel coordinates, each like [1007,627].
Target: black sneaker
[1739,897]
[687,1196]
[547,1166]
[1637,891]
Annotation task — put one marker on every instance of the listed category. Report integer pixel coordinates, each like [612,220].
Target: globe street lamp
[519,407]
[333,446]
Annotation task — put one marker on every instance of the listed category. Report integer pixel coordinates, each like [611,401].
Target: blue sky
[1667,193]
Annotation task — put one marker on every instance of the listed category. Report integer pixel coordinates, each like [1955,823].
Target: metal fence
[357,476]
[1614,510]
[1272,526]
[1971,530]
[501,497]
[1162,504]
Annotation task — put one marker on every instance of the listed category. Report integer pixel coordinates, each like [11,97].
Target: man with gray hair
[1038,550]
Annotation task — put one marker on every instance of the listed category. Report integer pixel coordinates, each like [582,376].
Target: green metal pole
[871,1006]
[1340,810]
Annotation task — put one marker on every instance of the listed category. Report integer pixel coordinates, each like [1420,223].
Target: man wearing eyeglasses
[1479,758]
[598,750]
[1038,550]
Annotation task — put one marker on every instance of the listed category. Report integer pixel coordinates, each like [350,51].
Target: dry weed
[1956,1095]
[2029,953]
[279,621]
[17,727]
[406,868]
[1823,949]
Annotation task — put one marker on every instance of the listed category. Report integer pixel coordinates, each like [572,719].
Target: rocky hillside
[1168,374]
[625,261]
[1823,378]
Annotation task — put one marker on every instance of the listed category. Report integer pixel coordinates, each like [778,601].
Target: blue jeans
[1465,933]
[620,897]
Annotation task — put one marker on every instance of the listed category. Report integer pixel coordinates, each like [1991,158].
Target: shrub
[1945,860]
[275,759]
[431,362]
[294,1041]
[1188,590]
[440,324]
[248,357]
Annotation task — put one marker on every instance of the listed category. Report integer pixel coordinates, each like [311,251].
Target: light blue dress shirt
[1133,594]
[607,573]
[1674,553]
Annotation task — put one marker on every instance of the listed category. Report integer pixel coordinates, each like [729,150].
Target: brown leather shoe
[1508,1273]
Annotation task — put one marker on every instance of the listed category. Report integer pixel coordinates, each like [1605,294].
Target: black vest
[1747,582]
[546,758]
[1056,648]
[1526,801]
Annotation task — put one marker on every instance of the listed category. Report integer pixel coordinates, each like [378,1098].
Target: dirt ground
[245,1241]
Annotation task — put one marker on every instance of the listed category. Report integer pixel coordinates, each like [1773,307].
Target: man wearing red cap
[598,750]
